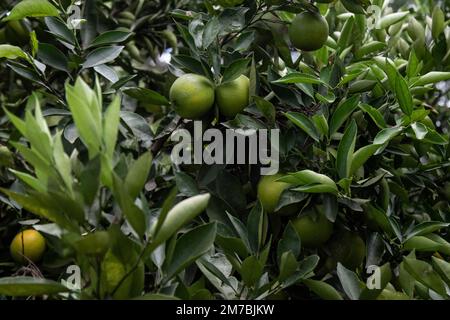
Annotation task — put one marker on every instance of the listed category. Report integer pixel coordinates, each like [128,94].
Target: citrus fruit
[192,95]
[308,31]
[269,191]
[28,245]
[232,97]
[348,248]
[113,271]
[313,228]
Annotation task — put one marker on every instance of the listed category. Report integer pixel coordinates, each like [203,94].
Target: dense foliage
[359,90]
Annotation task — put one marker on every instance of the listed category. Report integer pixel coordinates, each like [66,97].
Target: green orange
[348,248]
[270,190]
[308,31]
[313,227]
[192,96]
[232,97]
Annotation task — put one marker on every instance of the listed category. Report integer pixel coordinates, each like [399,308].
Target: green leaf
[361,156]
[130,210]
[60,29]
[420,130]
[52,56]
[413,67]
[322,289]
[90,180]
[442,267]
[102,55]
[390,19]
[189,63]
[438,22]
[297,77]
[432,77]
[387,134]
[85,110]
[34,43]
[11,52]
[346,34]
[62,162]
[256,227]
[191,246]
[350,282]
[32,8]
[251,270]
[403,95]
[111,37]
[29,286]
[146,95]
[316,188]
[406,281]
[421,244]
[342,112]
[301,121]
[307,177]
[266,108]
[426,228]
[235,70]
[321,123]
[424,273]
[290,242]
[345,151]
[111,120]
[211,31]
[288,265]
[34,183]
[379,217]
[137,174]
[182,213]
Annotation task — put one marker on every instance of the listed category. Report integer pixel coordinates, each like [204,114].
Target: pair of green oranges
[313,227]
[193,96]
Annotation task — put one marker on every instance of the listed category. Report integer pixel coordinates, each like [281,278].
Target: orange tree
[358,89]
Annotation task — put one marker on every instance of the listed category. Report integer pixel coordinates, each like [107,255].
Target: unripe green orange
[313,227]
[348,248]
[232,97]
[28,245]
[113,271]
[308,31]
[269,191]
[192,96]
